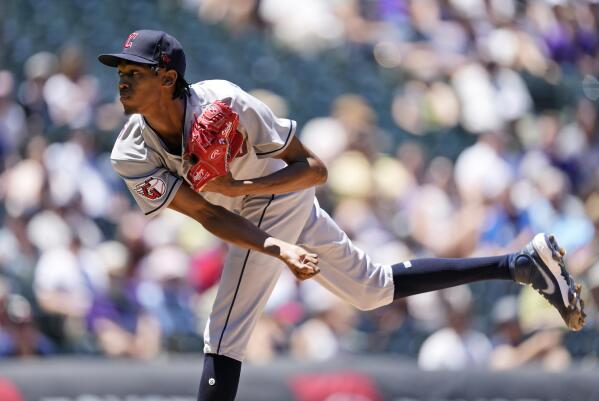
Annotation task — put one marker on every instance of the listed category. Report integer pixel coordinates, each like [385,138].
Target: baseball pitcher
[220,156]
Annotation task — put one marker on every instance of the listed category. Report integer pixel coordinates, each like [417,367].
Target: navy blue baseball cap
[149,47]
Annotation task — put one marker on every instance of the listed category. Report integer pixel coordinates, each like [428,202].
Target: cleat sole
[576,315]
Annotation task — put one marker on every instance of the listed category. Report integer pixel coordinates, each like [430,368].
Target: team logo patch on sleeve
[152,188]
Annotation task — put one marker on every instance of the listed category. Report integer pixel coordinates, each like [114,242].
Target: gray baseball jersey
[153,176]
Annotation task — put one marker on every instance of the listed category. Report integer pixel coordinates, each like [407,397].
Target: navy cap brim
[113,60]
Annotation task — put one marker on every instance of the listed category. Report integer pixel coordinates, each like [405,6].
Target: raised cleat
[541,264]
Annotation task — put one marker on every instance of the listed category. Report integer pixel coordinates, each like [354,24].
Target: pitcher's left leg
[539,264]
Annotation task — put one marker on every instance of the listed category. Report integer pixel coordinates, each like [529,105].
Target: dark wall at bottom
[348,379]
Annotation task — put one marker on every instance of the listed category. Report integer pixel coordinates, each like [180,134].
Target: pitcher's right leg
[220,378]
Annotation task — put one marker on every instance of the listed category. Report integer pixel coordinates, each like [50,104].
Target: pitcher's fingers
[307,276]
[313,267]
[303,275]
[305,270]
[311,259]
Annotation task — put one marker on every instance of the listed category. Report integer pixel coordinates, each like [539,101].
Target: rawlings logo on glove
[212,144]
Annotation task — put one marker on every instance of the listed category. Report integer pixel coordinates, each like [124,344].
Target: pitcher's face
[139,87]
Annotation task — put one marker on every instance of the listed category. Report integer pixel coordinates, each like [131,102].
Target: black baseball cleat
[544,268]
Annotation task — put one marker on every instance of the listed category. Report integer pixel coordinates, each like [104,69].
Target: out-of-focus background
[451,128]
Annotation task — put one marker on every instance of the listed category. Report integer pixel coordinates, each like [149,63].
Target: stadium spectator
[117,316]
[66,277]
[513,348]
[456,346]
[19,336]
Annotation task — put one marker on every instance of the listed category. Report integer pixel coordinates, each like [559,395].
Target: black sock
[220,378]
[424,275]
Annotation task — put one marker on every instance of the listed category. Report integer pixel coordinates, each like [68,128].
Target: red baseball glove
[212,144]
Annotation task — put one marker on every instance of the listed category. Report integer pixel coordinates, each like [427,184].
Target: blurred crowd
[493,136]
